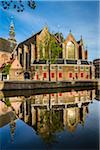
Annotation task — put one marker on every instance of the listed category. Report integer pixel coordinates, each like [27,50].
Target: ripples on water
[59,120]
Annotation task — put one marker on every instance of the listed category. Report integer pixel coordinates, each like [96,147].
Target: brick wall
[61,72]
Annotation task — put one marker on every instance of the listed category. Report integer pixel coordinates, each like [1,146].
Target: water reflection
[47,114]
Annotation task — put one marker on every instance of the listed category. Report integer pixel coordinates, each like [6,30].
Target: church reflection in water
[48,113]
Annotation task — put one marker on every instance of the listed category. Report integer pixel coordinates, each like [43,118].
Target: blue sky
[82,17]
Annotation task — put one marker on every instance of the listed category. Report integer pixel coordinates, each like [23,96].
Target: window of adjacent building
[21,59]
[82,75]
[81,68]
[52,75]
[70,75]
[60,94]
[45,75]
[59,67]
[44,67]
[76,68]
[37,67]
[87,68]
[70,48]
[76,75]
[37,77]
[60,75]
[87,76]
[52,67]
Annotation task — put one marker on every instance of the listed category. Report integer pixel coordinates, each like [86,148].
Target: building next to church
[7,61]
[7,46]
[96,63]
[72,63]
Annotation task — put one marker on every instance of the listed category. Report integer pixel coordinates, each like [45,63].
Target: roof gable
[6,45]
[71,38]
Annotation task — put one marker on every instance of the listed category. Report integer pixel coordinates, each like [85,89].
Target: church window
[70,50]
[60,67]
[76,75]
[52,94]
[37,77]
[44,67]
[60,94]
[70,75]
[45,75]
[60,75]
[82,75]
[82,68]
[87,68]
[37,67]
[52,75]
[52,67]
[76,68]
[87,76]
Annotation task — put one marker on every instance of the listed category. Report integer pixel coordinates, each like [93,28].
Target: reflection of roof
[6,45]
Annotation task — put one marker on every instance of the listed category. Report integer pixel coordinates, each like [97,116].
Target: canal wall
[30,85]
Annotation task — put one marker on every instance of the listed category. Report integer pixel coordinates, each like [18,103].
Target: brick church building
[71,63]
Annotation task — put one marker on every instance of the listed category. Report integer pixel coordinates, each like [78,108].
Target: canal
[55,119]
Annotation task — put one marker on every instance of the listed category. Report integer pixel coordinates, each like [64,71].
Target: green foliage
[7,102]
[60,36]
[51,46]
[6,69]
[55,49]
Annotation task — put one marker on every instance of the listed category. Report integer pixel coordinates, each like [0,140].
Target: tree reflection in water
[51,113]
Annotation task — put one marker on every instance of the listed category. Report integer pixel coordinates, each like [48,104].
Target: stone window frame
[52,75]
[70,73]
[45,75]
[76,69]
[60,94]
[60,67]
[36,67]
[60,75]
[82,68]
[87,68]
[82,74]
[52,67]
[44,67]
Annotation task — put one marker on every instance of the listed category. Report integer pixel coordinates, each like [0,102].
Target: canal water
[60,119]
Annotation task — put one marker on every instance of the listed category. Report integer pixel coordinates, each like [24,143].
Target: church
[71,62]
[45,57]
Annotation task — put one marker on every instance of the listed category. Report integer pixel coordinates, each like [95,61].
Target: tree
[18,5]
[6,69]
[50,45]
[52,48]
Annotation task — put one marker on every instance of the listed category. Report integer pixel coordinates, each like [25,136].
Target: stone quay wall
[30,85]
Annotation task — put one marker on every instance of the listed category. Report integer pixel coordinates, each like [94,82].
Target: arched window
[70,47]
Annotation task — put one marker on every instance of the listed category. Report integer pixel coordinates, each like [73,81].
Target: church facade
[71,63]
